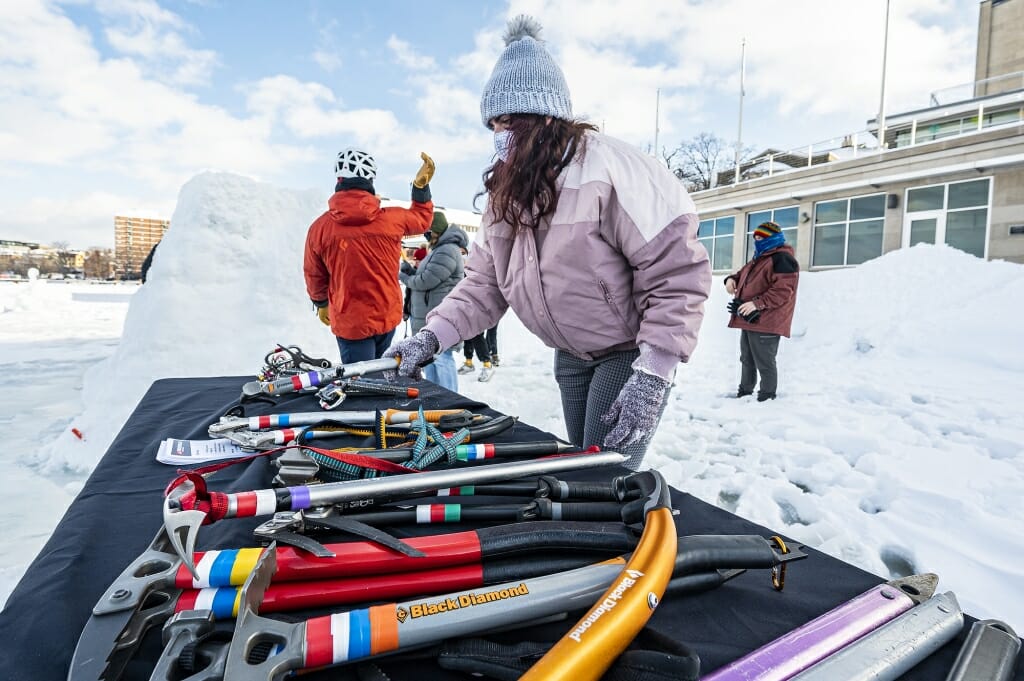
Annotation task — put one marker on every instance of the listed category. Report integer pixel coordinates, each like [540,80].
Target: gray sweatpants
[588,389]
[757,356]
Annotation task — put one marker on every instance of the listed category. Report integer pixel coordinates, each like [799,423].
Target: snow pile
[225,286]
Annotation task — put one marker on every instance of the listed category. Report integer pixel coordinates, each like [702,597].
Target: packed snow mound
[930,301]
[225,286]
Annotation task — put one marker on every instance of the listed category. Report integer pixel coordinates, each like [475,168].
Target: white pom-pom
[521,27]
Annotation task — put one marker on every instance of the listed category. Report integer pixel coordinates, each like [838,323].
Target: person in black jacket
[148,262]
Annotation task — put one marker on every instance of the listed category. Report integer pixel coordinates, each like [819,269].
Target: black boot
[764,397]
[743,393]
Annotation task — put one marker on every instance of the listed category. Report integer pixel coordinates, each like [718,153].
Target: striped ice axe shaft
[188,504]
[224,601]
[314,379]
[810,643]
[309,418]
[367,632]
[627,593]
[231,567]
[894,648]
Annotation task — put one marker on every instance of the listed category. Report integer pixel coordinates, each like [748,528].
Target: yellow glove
[425,172]
[324,313]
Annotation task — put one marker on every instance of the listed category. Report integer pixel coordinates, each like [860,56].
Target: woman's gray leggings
[588,389]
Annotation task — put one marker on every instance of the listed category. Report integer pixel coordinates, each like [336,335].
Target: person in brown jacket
[764,293]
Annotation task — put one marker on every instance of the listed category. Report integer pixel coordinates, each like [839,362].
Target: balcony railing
[980,88]
[916,132]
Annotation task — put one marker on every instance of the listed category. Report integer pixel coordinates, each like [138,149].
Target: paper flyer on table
[186,452]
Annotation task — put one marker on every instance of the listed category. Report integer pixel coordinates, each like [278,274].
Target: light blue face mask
[503,144]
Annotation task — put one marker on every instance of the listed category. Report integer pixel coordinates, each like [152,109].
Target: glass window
[830,211]
[867,207]
[968,194]
[848,231]
[947,129]
[829,245]
[786,217]
[865,241]
[926,198]
[716,235]
[721,259]
[725,226]
[923,231]
[965,229]
[754,219]
[903,138]
[1000,117]
[962,219]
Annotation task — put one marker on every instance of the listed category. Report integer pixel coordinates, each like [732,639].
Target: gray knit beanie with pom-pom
[526,80]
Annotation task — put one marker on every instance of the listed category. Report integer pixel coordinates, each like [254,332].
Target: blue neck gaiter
[768,243]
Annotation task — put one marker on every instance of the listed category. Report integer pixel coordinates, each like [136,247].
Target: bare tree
[698,161]
[99,263]
[65,258]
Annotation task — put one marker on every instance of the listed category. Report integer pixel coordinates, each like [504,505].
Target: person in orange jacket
[353,252]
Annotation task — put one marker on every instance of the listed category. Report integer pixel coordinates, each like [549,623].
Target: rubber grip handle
[512,570]
[559,490]
[702,553]
[552,534]
[581,511]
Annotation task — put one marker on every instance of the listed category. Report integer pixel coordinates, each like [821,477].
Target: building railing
[980,88]
[919,131]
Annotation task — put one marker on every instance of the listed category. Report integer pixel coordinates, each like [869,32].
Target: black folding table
[118,512]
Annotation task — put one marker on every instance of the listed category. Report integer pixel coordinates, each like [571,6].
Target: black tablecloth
[118,512]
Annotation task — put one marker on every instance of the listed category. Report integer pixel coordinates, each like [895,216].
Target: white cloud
[409,58]
[141,28]
[138,119]
[805,58]
[328,53]
[328,61]
[90,217]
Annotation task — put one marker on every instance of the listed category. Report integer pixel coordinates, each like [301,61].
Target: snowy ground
[895,443]
[49,336]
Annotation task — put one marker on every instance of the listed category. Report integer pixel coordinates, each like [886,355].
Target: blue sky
[109,107]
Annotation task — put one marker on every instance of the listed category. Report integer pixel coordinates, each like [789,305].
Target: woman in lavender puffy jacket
[591,243]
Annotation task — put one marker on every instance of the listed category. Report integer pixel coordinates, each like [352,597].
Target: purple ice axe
[791,653]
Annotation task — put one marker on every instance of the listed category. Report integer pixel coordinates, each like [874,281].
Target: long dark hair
[522,189]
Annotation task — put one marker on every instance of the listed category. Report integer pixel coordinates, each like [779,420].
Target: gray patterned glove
[636,410]
[416,352]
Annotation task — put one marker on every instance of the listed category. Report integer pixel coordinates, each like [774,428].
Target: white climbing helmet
[354,162]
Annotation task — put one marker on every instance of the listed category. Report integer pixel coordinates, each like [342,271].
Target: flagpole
[657,121]
[881,104]
[739,132]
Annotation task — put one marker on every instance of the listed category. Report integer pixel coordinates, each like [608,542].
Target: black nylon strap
[651,657]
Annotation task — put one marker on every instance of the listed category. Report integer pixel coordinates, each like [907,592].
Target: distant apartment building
[11,247]
[951,173]
[133,240]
